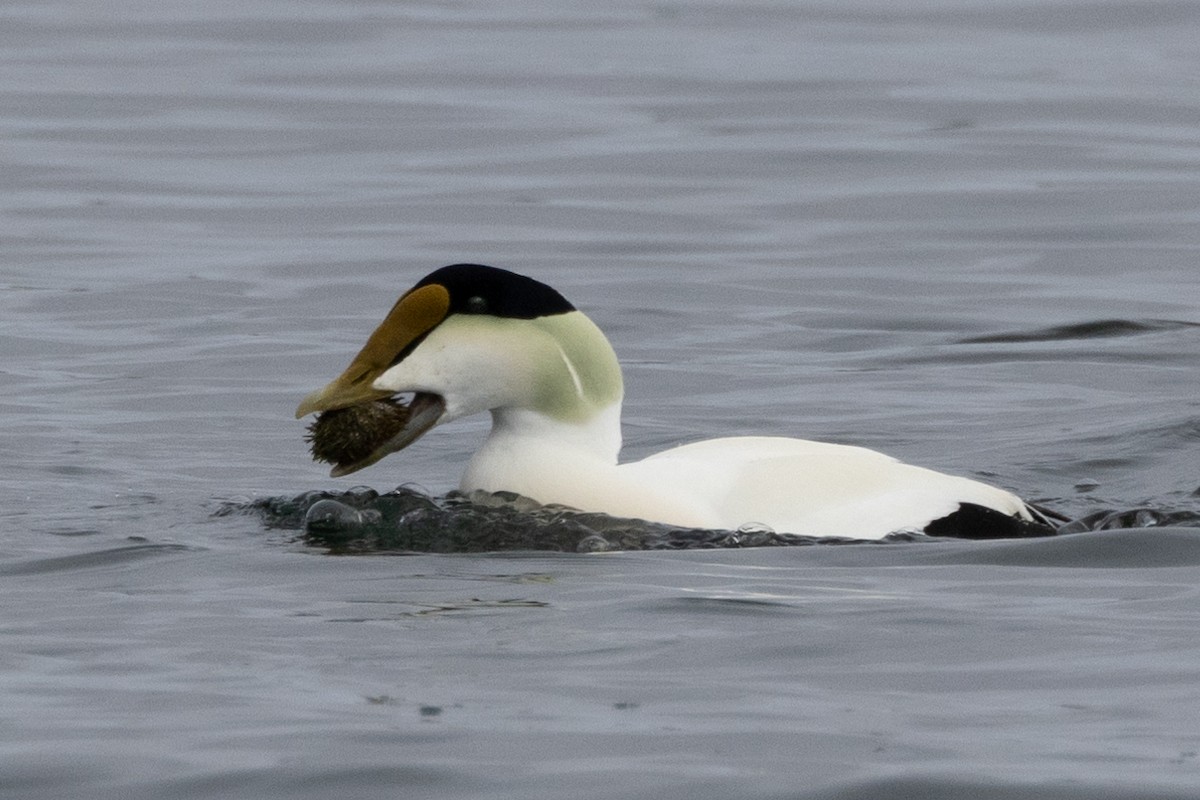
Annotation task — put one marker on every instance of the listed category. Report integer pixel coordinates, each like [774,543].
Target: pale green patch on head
[577,371]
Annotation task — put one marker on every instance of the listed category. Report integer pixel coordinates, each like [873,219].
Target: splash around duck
[468,339]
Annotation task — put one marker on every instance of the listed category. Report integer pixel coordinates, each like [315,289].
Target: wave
[1095,329]
[100,558]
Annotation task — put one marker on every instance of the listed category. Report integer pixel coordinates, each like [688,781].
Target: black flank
[972,521]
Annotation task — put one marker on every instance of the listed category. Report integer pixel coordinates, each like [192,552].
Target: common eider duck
[469,338]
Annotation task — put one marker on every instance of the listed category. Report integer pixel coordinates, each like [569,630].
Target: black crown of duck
[469,339]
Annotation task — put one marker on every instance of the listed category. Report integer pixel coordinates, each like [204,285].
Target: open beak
[411,318]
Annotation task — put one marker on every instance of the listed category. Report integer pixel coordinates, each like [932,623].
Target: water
[962,233]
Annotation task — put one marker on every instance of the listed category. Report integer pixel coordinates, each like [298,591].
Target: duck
[468,339]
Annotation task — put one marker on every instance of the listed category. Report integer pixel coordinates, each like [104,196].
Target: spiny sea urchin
[346,436]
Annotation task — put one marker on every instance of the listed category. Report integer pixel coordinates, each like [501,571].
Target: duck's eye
[477,305]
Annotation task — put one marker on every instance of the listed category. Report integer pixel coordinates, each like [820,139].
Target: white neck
[526,442]
[599,437]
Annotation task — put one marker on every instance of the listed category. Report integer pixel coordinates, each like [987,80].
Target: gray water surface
[962,233]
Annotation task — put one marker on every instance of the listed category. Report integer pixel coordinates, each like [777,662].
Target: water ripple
[1093,329]
[116,556]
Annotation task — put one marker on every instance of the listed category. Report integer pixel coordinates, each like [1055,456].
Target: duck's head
[466,338]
